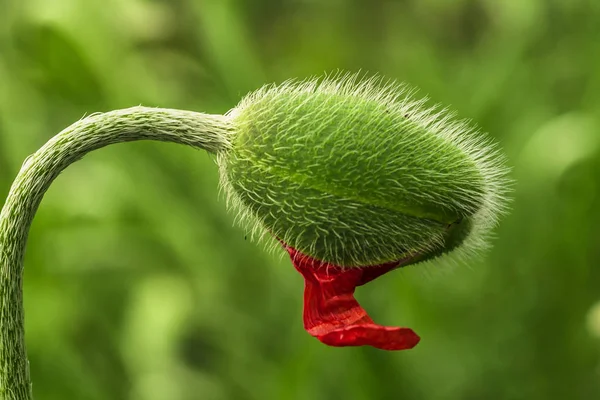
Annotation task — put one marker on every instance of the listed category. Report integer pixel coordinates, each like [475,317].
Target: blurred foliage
[139,286]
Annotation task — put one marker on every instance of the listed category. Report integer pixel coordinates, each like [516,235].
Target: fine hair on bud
[357,172]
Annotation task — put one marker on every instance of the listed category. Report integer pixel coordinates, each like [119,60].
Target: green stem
[209,132]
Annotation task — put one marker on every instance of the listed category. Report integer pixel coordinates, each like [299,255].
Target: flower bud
[355,174]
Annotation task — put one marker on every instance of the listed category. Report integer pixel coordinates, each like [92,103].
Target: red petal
[332,314]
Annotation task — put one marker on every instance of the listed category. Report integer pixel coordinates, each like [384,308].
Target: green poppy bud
[355,174]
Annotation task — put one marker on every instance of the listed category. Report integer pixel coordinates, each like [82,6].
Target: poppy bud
[356,180]
[354,174]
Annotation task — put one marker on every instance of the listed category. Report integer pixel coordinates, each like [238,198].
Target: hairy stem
[209,132]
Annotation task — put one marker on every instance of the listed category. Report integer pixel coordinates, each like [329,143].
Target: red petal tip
[380,337]
[332,314]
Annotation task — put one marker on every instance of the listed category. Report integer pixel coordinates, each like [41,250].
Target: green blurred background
[138,285]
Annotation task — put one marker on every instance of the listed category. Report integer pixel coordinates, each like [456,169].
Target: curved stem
[209,132]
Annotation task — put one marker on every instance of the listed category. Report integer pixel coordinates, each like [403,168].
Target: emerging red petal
[332,314]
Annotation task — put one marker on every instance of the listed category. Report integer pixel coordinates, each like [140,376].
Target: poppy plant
[353,178]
